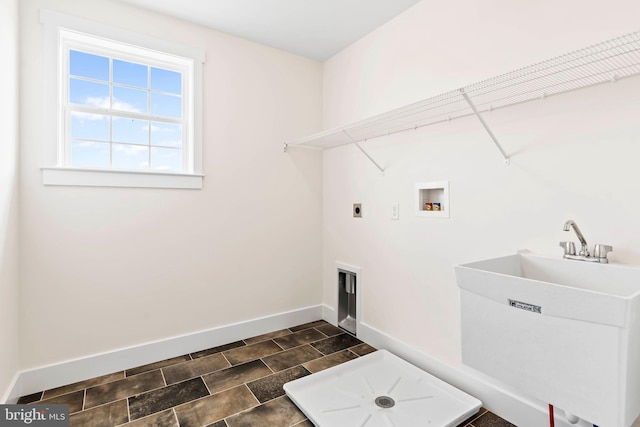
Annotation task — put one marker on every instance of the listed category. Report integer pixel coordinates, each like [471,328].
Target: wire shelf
[608,61]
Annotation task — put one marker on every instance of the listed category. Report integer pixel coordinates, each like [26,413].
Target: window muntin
[124,107]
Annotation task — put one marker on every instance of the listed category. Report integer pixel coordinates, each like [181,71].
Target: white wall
[106,268]
[572,156]
[9,273]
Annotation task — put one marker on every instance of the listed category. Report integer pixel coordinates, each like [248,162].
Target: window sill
[119,178]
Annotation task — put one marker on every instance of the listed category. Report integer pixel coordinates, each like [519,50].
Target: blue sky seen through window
[103,139]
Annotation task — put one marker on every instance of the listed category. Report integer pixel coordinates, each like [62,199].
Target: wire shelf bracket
[371,159]
[606,62]
[380,168]
[507,161]
[286,147]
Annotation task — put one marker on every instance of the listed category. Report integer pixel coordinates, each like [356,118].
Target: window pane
[133,131]
[89,126]
[126,99]
[128,73]
[166,105]
[166,134]
[88,93]
[166,81]
[89,154]
[166,159]
[130,156]
[86,65]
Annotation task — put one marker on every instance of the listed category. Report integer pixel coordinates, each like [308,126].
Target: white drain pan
[380,390]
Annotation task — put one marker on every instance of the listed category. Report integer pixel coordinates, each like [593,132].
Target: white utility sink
[564,331]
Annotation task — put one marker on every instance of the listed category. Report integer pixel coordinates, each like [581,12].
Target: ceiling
[316,29]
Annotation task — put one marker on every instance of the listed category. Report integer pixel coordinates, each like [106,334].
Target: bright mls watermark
[34,415]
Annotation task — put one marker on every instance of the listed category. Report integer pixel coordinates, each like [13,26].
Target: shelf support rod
[486,126]
[363,152]
[287,147]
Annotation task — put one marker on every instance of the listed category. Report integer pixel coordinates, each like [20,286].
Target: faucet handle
[569,248]
[601,251]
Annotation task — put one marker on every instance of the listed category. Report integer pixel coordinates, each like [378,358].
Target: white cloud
[164,129]
[97,101]
[91,144]
[124,106]
[89,116]
[129,150]
[103,102]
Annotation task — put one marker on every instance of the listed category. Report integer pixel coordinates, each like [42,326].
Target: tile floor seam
[164,379]
[306,343]
[311,326]
[239,384]
[292,348]
[248,341]
[162,367]
[244,410]
[254,396]
[225,358]
[328,336]
[283,349]
[175,415]
[129,416]
[128,411]
[127,395]
[145,392]
[476,416]
[247,361]
[268,367]
[81,388]
[174,406]
[205,385]
[266,338]
[176,364]
[479,414]
[266,401]
[100,405]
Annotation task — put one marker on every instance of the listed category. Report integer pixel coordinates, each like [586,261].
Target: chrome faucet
[600,252]
[567,226]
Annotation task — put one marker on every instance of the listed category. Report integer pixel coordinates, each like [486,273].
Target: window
[126,114]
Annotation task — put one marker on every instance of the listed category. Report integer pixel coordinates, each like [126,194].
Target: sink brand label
[525,306]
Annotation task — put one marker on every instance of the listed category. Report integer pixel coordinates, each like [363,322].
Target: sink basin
[593,292]
[566,332]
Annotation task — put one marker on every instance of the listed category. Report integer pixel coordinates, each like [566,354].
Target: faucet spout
[567,226]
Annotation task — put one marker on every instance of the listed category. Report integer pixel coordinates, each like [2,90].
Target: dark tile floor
[234,385]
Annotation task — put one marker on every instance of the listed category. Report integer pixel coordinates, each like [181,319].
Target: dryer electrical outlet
[357,210]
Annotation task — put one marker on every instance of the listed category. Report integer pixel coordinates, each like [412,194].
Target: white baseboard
[496,397]
[329,314]
[59,374]
[11,395]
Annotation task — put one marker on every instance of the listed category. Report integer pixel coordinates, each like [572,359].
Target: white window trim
[54,170]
